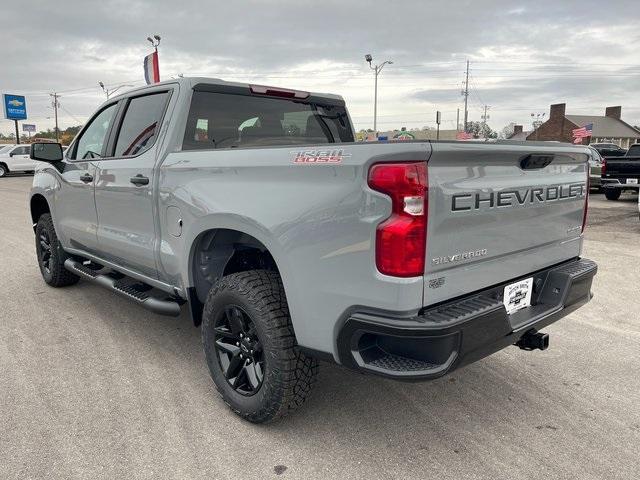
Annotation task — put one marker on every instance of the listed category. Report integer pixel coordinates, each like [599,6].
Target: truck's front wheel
[51,256]
[251,349]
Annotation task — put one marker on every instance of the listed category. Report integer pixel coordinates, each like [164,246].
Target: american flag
[582,132]
[151,68]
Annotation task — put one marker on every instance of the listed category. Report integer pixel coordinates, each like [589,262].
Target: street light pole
[108,92]
[376,70]
[155,41]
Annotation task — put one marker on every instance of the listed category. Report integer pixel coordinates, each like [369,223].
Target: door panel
[20,160]
[124,188]
[126,213]
[75,213]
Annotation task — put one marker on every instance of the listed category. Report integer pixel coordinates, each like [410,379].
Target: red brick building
[607,128]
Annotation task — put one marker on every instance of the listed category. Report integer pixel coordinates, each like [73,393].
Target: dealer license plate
[518,295]
[632,181]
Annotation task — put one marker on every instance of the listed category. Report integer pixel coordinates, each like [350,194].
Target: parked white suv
[15,158]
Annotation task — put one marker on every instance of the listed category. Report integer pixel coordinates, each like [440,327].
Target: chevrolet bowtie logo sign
[15,107]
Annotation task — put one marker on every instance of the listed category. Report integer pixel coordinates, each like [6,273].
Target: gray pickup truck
[290,243]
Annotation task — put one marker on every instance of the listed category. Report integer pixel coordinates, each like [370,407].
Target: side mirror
[46,152]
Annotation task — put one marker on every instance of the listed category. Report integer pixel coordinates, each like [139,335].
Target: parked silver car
[595,169]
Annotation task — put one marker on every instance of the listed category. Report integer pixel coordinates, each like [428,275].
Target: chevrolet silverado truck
[621,173]
[289,243]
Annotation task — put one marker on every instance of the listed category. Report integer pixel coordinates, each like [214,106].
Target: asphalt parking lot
[92,386]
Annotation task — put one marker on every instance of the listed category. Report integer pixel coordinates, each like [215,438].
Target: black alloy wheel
[50,254]
[239,350]
[44,250]
[251,348]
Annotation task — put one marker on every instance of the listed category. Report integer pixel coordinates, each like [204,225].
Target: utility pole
[485,117]
[377,69]
[458,121]
[465,94]
[55,105]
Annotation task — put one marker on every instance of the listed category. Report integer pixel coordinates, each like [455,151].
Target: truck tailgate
[497,213]
[622,167]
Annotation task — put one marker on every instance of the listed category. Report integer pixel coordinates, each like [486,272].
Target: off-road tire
[3,170]
[56,275]
[612,193]
[288,373]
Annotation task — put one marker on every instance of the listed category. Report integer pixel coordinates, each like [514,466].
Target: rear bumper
[459,332]
[616,183]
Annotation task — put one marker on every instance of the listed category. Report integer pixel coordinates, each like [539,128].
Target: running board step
[137,293]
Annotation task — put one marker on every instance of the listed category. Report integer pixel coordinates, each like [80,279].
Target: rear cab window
[634,151]
[230,120]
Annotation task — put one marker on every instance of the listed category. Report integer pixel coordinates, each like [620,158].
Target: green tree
[481,130]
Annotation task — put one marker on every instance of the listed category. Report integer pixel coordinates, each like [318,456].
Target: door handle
[139,179]
[86,178]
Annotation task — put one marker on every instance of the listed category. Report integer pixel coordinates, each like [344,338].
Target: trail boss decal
[319,156]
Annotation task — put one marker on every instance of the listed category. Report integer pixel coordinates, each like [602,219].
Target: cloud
[521,58]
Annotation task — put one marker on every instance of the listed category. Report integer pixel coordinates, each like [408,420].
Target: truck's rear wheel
[3,170]
[612,193]
[51,256]
[251,349]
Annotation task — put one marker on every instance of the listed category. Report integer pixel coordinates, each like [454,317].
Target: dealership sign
[15,107]
[28,127]
[404,136]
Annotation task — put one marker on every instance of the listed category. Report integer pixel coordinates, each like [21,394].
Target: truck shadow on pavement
[344,403]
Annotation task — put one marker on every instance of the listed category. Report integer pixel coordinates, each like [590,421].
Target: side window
[92,141]
[21,151]
[140,125]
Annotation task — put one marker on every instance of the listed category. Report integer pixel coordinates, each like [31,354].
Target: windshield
[5,148]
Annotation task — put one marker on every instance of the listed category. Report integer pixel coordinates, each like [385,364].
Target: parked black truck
[621,173]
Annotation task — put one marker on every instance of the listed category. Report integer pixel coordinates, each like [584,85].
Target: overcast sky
[524,55]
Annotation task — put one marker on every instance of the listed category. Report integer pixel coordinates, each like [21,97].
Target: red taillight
[401,238]
[603,168]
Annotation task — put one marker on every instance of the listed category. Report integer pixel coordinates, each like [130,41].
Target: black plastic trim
[317,354]
[450,335]
[196,307]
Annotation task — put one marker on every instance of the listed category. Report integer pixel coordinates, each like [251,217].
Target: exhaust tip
[533,340]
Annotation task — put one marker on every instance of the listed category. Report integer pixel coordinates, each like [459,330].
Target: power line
[71,114]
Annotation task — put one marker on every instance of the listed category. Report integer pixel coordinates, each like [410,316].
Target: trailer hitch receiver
[533,340]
